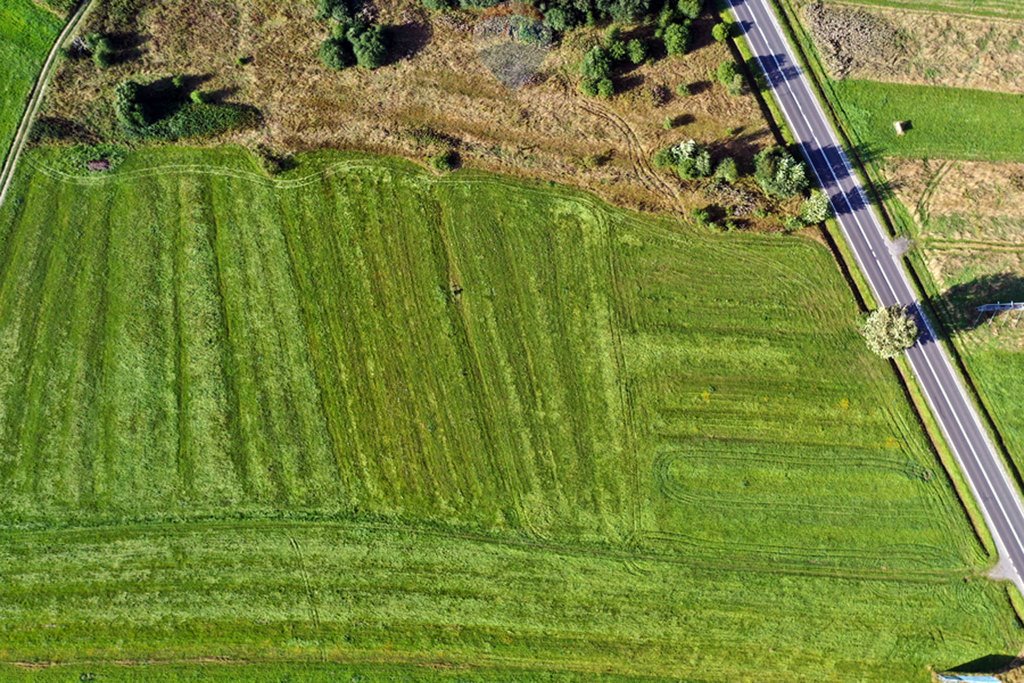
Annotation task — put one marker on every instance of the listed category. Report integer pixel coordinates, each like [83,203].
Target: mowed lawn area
[364,414]
[950,123]
[27,33]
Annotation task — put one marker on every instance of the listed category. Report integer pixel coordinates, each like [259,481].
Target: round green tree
[888,331]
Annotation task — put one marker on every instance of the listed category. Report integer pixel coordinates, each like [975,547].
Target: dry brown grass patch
[934,48]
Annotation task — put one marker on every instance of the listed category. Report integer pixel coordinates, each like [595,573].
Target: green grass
[947,122]
[27,33]
[985,8]
[400,419]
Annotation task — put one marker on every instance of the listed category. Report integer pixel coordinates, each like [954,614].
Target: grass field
[986,8]
[947,122]
[401,419]
[27,33]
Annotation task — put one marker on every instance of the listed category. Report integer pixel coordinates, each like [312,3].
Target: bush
[727,170]
[336,53]
[202,120]
[888,331]
[701,217]
[339,10]
[779,174]
[368,45]
[676,37]
[596,70]
[683,90]
[721,32]
[636,51]
[562,18]
[729,75]
[128,107]
[445,161]
[198,97]
[689,159]
[690,9]
[816,209]
[438,5]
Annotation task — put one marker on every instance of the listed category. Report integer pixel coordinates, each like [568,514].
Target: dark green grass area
[270,594]
[27,32]
[587,441]
[946,122]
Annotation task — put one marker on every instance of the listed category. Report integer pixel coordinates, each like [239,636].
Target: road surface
[35,101]
[992,486]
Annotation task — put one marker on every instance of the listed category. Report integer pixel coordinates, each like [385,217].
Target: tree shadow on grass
[959,304]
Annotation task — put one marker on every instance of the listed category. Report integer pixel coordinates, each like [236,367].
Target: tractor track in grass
[35,100]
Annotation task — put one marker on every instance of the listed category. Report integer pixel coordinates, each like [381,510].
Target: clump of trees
[689,159]
[600,62]
[353,41]
[173,113]
[889,331]
[674,25]
[780,174]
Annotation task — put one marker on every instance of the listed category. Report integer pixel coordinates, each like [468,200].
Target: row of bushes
[564,15]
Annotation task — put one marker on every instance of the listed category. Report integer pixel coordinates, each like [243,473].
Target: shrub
[792,224]
[689,159]
[596,70]
[676,37]
[636,51]
[562,18]
[128,107]
[202,120]
[198,97]
[701,217]
[690,9]
[339,10]
[729,76]
[779,174]
[683,90]
[816,209]
[727,170]
[438,5]
[103,53]
[445,161]
[368,45]
[336,53]
[721,32]
[888,331]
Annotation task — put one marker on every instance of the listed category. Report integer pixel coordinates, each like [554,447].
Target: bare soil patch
[907,46]
[439,83]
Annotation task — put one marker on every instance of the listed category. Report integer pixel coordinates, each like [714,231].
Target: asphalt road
[35,101]
[981,464]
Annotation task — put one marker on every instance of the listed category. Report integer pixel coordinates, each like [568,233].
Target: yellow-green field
[361,414]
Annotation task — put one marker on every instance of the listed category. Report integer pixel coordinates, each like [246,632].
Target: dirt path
[646,173]
[35,101]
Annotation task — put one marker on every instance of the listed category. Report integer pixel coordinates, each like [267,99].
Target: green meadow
[363,415]
[951,123]
[27,33]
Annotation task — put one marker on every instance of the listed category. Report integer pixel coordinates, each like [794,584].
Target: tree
[636,51]
[779,174]
[368,45]
[729,75]
[727,170]
[816,209]
[690,9]
[596,70]
[676,37]
[888,331]
[336,53]
[721,32]
[689,159]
